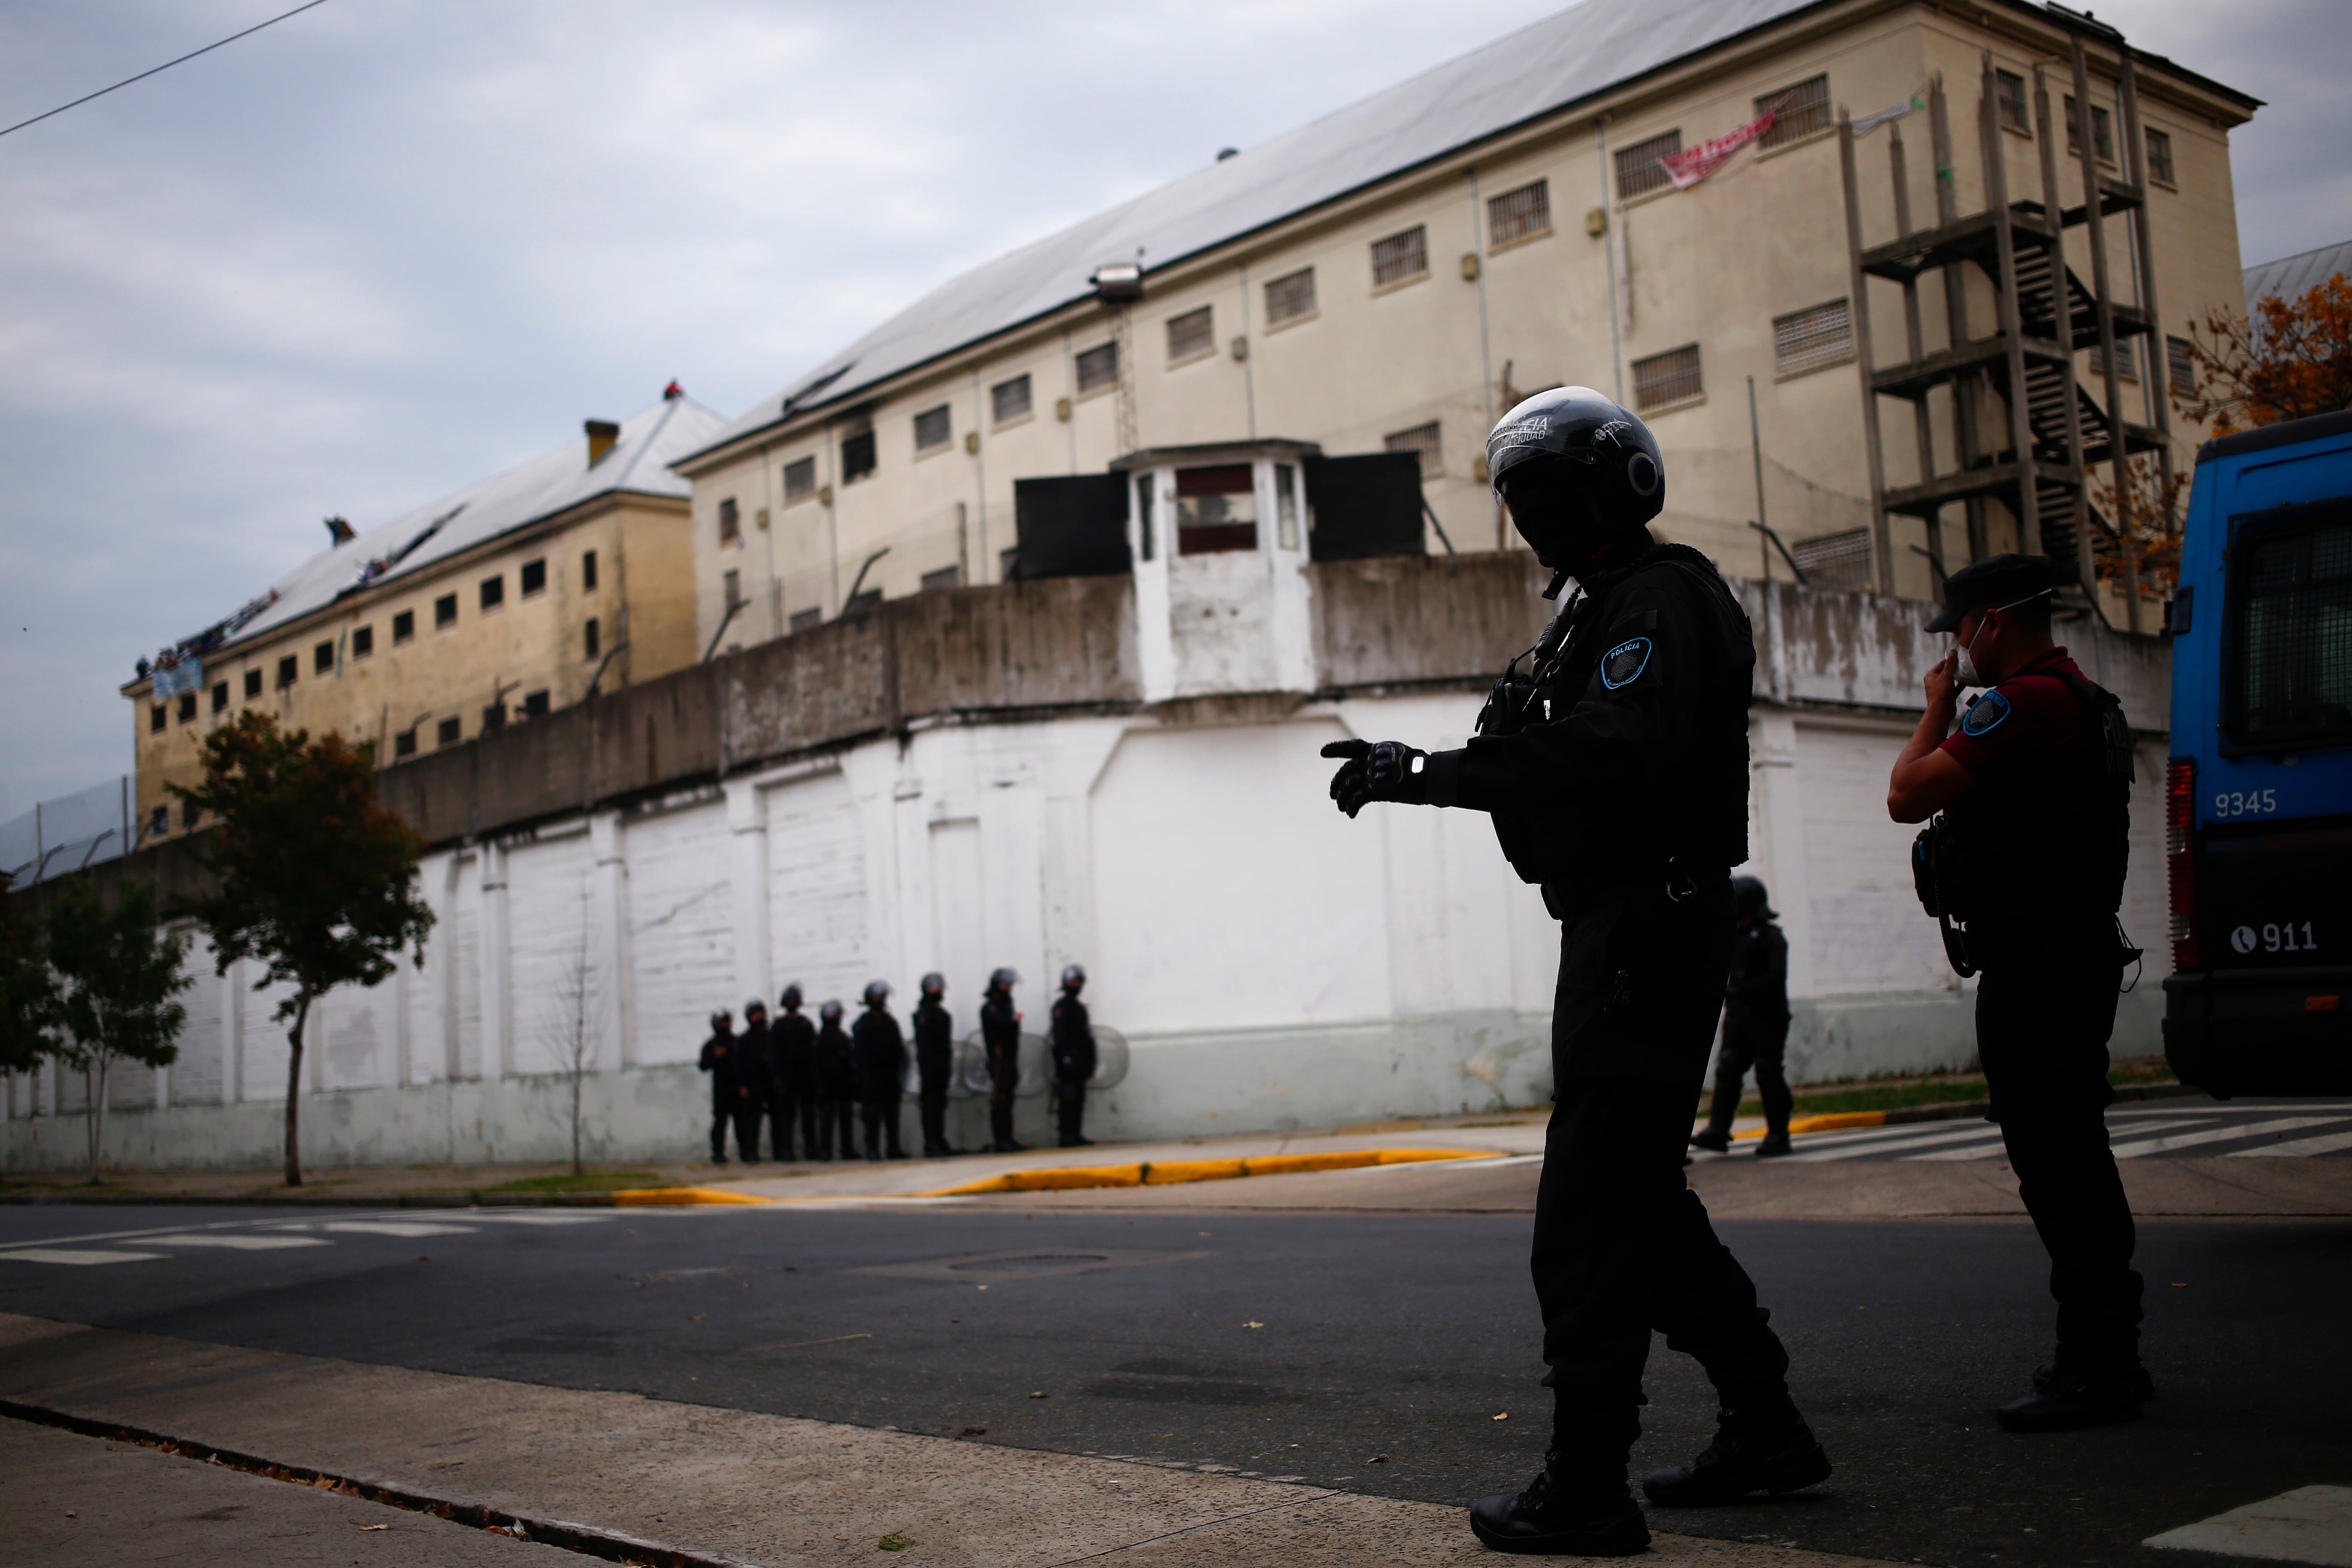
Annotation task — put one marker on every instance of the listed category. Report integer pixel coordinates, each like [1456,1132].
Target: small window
[220,696]
[1192,334]
[288,668]
[1839,560]
[1400,257]
[1514,215]
[159,821]
[1423,441]
[945,577]
[2160,155]
[253,683]
[1145,489]
[2180,365]
[588,570]
[445,733]
[158,717]
[933,428]
[591,638]
[857,455]
[1289,297]
[534,577]
[403,625]
[534,705]
[799,479]
[1098,366]
[1009,400]
[1797,111]
[445,611]
[322,659]
[404,743]
[2127,362]
[1803,338]
[187,706]
[2103,132]
[731,585]
[2289,641]
[2009,95]
[731,524]
[1216,510]
[806,620]
[494,592]
[1669,377]
[1285,506]
[1639,171]
[362,641]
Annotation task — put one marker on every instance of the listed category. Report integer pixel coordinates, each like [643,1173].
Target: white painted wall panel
[958,932]
[558,988]
[359,1037]
[197,1074]
[819,898]
[681,928]
[1867,930]
[266,1049]
[462,953]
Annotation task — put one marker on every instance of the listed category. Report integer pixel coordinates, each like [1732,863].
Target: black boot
[1769,1453]
[1774,1143]
[1714,1138]
[2063,1399]
[1595,1518]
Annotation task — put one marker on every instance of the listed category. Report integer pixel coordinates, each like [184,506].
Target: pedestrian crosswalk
[267,1236]
[2294,1128]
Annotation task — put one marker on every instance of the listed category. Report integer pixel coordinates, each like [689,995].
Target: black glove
[1385,770]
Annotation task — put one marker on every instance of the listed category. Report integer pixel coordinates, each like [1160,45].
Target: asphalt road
[1371,1351]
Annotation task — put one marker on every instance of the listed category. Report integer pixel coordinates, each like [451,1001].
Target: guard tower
[2012,425]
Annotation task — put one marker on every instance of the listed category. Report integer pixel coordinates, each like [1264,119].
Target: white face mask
[1964,668]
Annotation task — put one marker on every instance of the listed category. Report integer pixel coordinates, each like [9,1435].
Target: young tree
[28,997]
[2297,362]
[314,877]
[116,976]
[570,1019]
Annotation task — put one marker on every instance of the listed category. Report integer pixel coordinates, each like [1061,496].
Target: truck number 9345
[2245,803]
[2276,936]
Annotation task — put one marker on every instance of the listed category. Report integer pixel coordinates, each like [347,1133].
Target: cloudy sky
[391,247]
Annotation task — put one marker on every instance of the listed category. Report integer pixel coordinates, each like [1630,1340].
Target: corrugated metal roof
[1539,68]
[650,440]
[2291,277]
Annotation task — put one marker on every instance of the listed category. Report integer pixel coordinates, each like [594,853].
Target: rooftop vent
[340,532]
[602,434]
[1116,282]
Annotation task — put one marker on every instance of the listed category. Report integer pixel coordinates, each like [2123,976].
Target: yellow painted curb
[1164,1172]
[1828,1124]
[679,1197]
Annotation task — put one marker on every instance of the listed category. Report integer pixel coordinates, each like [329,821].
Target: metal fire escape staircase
[2034,452]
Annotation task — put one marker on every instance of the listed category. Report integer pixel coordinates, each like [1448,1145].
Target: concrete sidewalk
[609,1472]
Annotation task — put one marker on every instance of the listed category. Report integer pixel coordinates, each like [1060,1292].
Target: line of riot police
[823,1083]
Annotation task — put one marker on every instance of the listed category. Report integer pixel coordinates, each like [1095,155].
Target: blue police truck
[2258,802]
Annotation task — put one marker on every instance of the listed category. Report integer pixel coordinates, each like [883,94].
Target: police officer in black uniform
[935,1062]
[1616,770]
[879,1050]
[792,1055]
[836,1085]
[2024,871]
[722,1059]
[1074,1058]
[1755,1026]
[1000,1031]
[756,1052]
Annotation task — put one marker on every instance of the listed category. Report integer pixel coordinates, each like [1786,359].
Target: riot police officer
[935,1062]
[836,1085]
[756,1052]
[2024,871]
[1615,768]
[879,1050]
[1000,1032]
[793,1052]
[722,1059]
[1074,1058]
[1755,1026]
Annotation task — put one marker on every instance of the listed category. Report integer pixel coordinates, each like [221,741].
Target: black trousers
[881,1123]
[936,1075]
[1758,1042]
[2042,1037]
[743,1115]
[785,1106]
[1004,1082]
[1623,1246]
[1070,1101]
[836,1117]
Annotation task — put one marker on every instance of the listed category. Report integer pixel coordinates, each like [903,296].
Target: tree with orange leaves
[2295,364]
[314,877]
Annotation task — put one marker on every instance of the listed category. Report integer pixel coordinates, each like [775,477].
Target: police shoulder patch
[1623,665]
[1985,714]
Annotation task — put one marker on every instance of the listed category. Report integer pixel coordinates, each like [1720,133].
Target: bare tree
[572,1018]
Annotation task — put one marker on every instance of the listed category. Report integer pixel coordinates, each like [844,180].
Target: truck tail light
[2180,859]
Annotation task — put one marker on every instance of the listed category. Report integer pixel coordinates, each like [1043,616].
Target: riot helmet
[831,1011]
[1003,980]
[876,993]
[754,1008]
[791,999]
[935,985]
[1748,898]
[722,1020]
[1074,978]
[1578,472]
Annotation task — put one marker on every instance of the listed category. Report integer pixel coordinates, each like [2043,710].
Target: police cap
[1996,580]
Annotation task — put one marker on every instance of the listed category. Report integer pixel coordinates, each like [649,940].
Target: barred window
[2009,97]
[2127,362]
[2103,132]
[2180,365]
[1098,366]
[1400,256]
[857,455]
[1289,297]
[1192,334]
[1514,215]
[1669,377]
[1639,172]
[730,527]
[2291,634]
[1423,442]
[800,478]
[1798,111]
[1009,400]
[445,733]
[2160,156]
[933,426]
[1803,339]
[1839,560]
